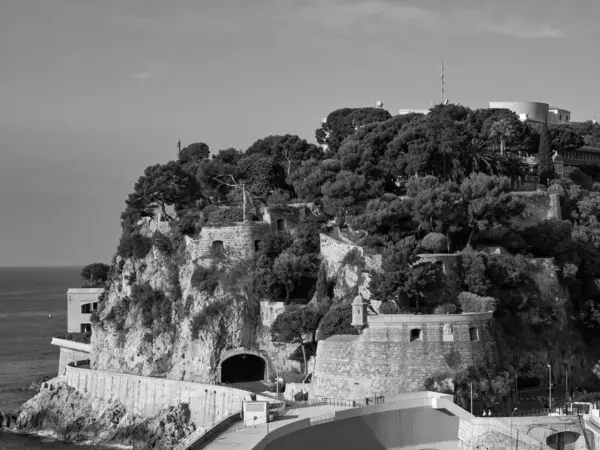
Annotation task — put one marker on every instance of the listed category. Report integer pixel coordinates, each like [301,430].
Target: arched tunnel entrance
[242,368]
[560,441]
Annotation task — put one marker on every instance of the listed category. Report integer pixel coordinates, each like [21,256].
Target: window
[86,308]
[258,245]
[217,248]
[474,333]
[95,306]
[415,334]
[280,225]
[86,327]
[560,117]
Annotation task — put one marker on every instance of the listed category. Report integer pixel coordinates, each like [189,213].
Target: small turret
[359,313]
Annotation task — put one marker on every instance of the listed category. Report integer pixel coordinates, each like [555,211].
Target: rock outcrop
[76,418]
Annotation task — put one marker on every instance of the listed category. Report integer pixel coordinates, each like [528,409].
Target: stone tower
[359,313]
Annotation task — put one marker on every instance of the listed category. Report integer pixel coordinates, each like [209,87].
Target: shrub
[389,307]
[435,243]
[134,245]
[206,280]
[118,314]
[153,305]
[83,338]
[162,243]
[229,214]
[208,315]
[473,303]
[446,308]
[474,272]
[354,258]
[190,223]
[338,320]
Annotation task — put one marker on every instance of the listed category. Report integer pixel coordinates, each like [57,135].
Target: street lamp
[549,389]
[511,418]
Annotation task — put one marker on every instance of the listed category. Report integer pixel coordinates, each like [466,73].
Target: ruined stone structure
[541,206]
[396,353]
[238,241]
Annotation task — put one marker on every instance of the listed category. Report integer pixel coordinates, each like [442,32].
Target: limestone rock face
[73,417]
[169,349]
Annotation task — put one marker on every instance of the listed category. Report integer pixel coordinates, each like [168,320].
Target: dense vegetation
[409,184]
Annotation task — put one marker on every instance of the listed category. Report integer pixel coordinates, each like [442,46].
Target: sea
[28,297]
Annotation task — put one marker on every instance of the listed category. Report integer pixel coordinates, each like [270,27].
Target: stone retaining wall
[70,351]
[146,396]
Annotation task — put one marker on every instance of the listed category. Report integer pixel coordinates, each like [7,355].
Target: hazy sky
[93,91]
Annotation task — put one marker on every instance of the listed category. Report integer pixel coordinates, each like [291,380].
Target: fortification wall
[239,241]
[541,206]
[146,396]
[391,357]
[70,352]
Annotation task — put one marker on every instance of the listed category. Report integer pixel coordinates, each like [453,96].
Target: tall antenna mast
[442,82]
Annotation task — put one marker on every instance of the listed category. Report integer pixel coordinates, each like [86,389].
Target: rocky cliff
[175,311]
[71,416]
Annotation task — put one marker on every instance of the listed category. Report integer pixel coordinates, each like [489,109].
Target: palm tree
[503,130]
[479,158]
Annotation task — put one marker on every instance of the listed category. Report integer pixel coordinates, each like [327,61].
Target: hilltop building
[535,111]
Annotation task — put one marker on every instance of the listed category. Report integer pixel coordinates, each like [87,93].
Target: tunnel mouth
[243,368]
[559,441]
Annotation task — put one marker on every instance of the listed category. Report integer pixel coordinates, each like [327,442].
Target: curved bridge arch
[238,360]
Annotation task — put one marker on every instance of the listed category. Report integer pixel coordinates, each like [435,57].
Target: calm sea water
[27,297]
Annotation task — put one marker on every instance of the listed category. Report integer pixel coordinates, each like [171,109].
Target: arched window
[217,248]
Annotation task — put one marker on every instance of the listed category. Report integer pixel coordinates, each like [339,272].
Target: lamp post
[355,385]
[471,398]
[549,389]
[277,381]
[511,418]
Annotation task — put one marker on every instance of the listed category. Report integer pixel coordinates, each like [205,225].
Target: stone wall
[333,252]
[146,396]
[540,206]
[239,241]
[391,356]
[70,352]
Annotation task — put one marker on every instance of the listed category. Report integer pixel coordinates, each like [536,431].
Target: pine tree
[545,164]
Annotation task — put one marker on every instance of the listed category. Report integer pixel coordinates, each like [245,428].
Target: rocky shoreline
[68,415]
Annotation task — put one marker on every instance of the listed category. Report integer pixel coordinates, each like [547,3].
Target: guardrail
[204,436]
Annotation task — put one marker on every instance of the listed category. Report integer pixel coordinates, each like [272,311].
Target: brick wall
[384,360]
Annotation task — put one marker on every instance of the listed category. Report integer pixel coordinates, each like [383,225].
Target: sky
[94,91]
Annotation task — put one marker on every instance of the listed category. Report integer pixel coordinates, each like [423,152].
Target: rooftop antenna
[442,82]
